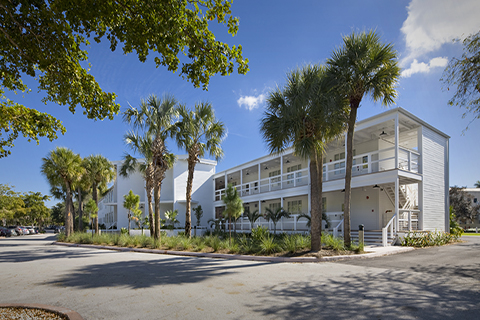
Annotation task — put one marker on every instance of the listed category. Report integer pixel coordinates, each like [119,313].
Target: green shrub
[455,228]
[268,245]
[123,231]
[335,243]
[259,233]
[427,239]
[289,243]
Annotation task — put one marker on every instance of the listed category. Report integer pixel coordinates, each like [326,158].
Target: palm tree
[198,132]
[99,172]
[155,116]
[252,216]
[275,216]
[362,66]
[233,207]
[141,145]
[62,167]
[131,202]
[305,115]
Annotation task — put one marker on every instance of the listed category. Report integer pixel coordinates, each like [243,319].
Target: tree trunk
[68,208]
[149,177]
[188,217]
[128,222]
[348,175]
[316,204]
[95,198]
[80,210]
[156,196]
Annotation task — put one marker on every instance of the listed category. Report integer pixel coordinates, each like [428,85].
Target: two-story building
[399,180]
[172,197]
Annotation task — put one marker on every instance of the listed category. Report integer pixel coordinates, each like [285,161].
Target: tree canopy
[466,211]
[464,73]
[45,39]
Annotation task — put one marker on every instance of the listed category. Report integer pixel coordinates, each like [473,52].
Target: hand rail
[335,230]
[390,225]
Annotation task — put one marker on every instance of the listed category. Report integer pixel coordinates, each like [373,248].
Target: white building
[172,197]
[400,179]
[400,182]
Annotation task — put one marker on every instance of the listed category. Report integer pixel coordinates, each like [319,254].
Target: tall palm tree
[141,145]
[305,115]
[155,116]
[198,132]
[62,167]
[99,172]
[275,216]
[362,66]
[233,207]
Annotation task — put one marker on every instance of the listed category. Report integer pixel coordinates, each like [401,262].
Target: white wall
[434,155]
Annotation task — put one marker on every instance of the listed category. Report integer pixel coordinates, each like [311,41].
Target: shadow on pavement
[385,295]
[143,274]
[36,255]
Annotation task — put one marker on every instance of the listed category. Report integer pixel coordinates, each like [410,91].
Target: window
[291,175]
[274,174]
[474,200]
[274,206]
[294,207]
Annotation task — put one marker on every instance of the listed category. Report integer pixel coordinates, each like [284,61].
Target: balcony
[365,163]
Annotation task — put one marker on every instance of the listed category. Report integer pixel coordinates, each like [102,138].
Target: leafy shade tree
[98,172]
[10,202]
[45,40]
[275,216]
[464,74]
[198,132]
[91,209]
[131,202]
[198,211]
[141,145]
[477,184]
[36,211]
[462,203]
[62,167]
[362,66]
[252,216]
[305,114]
[155,117]
[233,207]
[57,213]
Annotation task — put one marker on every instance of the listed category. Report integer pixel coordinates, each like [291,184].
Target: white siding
[435,177]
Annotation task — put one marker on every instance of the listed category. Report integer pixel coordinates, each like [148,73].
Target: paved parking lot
[434,283]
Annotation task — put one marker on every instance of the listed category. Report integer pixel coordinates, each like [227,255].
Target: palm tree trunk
[95,198]
[316,202]
[128,222]
[348,175]
[188,216]
[156,197]
[68,210]
[149,186]
[80,210]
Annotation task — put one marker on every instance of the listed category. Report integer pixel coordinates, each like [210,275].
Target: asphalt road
[434,283]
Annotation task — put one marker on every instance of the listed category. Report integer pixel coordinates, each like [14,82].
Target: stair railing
[389,230]
[339,226]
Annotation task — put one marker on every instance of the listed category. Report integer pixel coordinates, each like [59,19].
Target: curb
[70,314]
[239,256]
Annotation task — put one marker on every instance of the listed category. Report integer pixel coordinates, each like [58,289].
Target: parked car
[6,232]
[17,229]
[25,230]
[31,230]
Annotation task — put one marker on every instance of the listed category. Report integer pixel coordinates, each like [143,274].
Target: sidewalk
[370,252]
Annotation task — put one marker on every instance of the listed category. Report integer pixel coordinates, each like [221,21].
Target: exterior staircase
[371,237]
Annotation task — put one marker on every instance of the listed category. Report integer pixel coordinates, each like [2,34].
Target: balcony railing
[370,162]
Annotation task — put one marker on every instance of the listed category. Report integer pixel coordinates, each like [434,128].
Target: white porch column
[396,142]
[281,174]
[420,205]
[397,187]
[259,175]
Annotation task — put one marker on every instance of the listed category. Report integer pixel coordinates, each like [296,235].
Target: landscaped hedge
[427,239]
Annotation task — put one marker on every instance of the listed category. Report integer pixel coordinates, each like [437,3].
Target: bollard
[360,234]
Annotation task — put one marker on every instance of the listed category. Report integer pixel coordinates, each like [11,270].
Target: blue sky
[277,37]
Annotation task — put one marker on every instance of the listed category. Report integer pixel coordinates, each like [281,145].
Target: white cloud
[251,102]
[432,23]
[422,67]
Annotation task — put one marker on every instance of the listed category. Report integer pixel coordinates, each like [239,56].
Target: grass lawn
[470,234]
